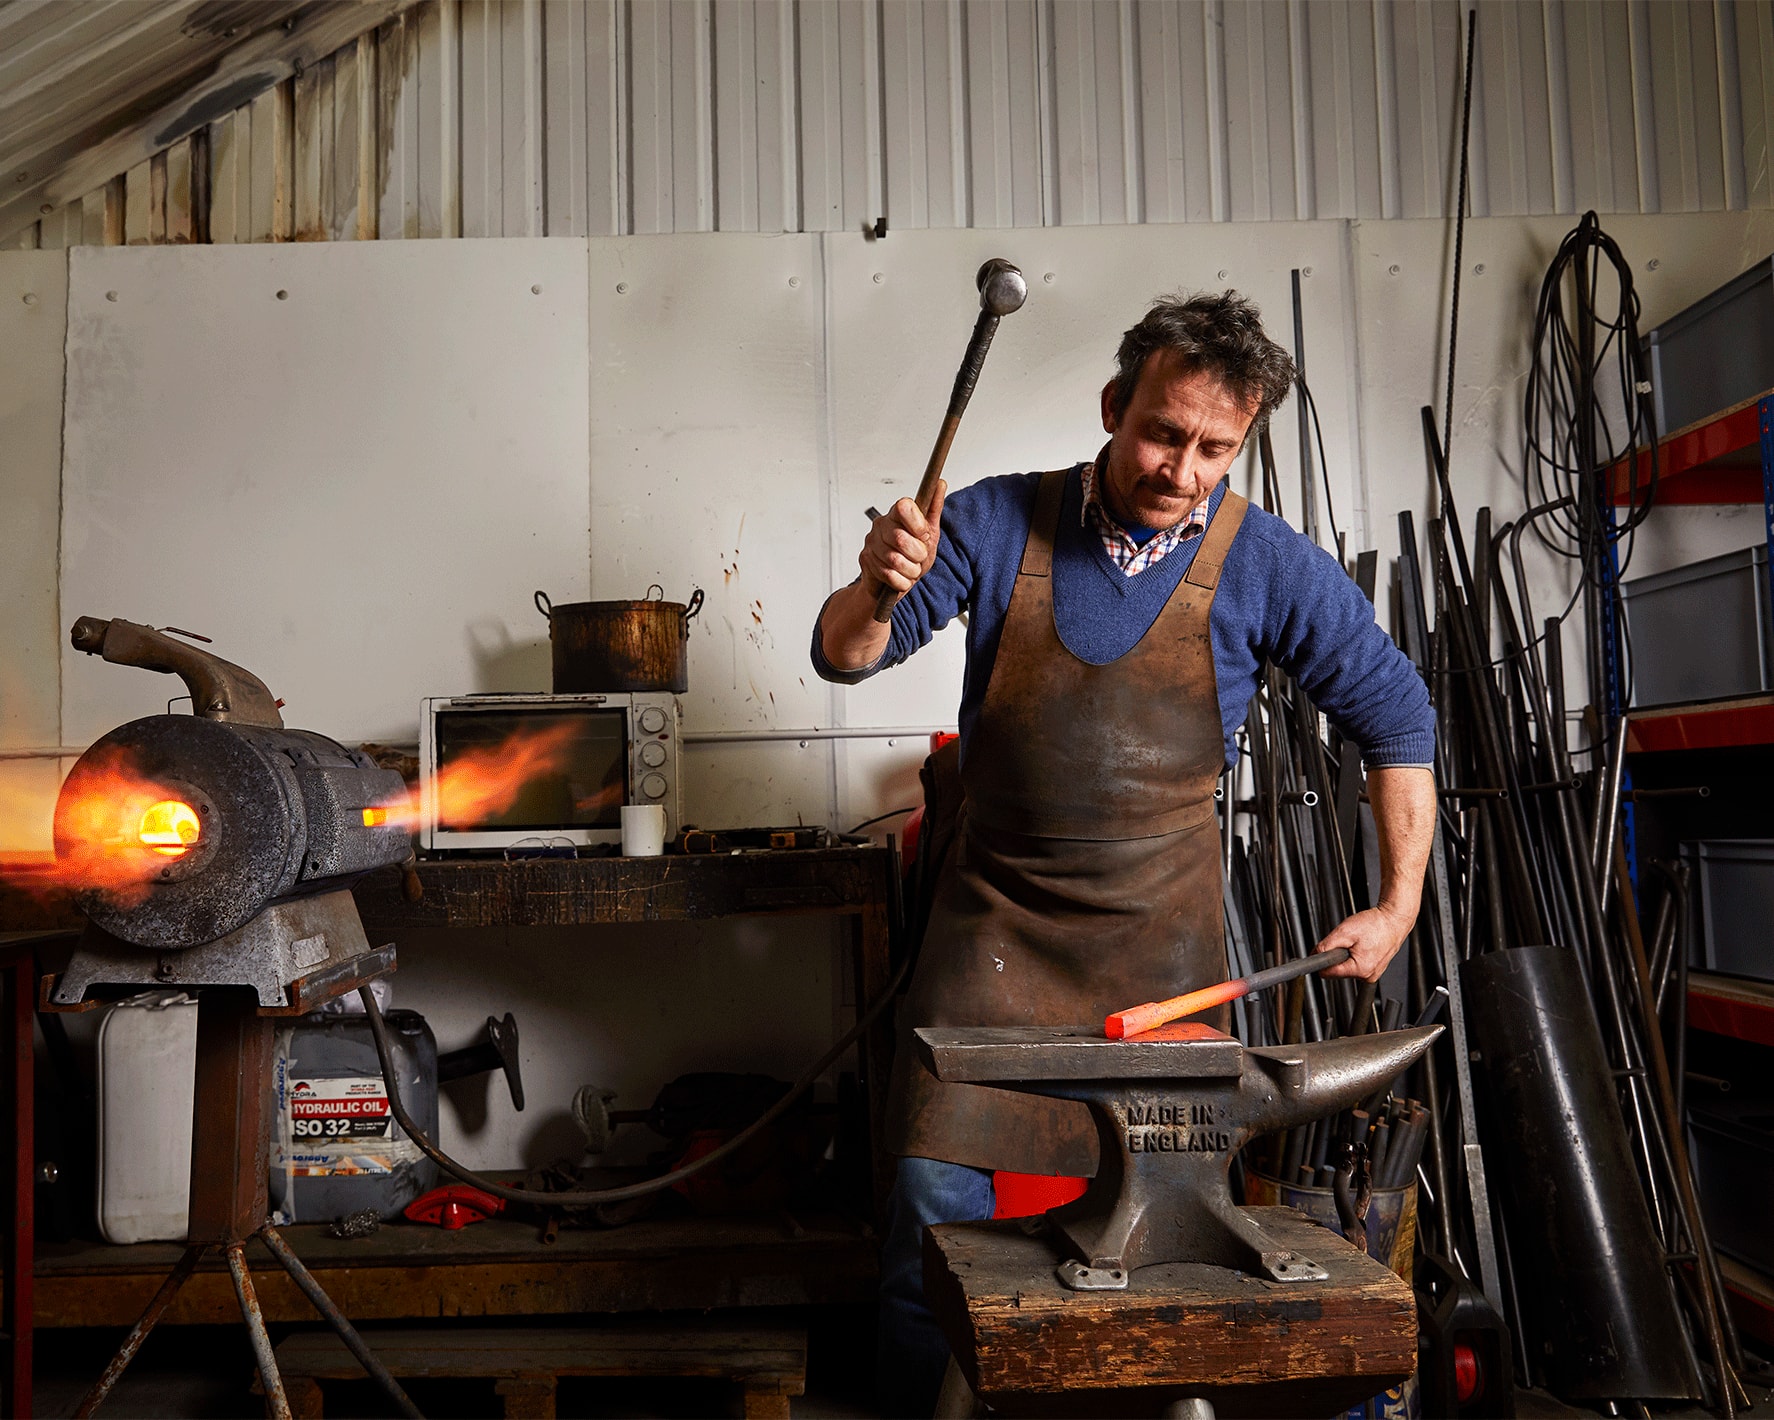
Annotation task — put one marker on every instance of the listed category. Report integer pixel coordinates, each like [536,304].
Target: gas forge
[215,852]
[216,849]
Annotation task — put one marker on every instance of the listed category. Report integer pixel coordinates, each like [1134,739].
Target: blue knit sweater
[1281,599]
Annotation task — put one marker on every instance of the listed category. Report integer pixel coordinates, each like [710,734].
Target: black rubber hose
[586,1198]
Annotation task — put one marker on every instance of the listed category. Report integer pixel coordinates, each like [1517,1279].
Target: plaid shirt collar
[1123,551]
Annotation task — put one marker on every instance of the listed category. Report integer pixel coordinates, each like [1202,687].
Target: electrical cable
[1619,417]
[891,813]
[586,1198]
[1323,465]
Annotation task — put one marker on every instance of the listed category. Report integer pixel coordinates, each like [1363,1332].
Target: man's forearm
[1403,801]
[848,633]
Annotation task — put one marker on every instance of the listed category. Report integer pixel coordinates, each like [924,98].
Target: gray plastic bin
[1715,354]
[1700,632]
[1734,897]
[1734,1161]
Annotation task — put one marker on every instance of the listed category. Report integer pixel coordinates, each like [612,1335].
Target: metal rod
[1308,493]
[1716,1310]
[275,1400]
[157,1308]
[1477,1190]
[322,1303]
[832,732]
[1610,802]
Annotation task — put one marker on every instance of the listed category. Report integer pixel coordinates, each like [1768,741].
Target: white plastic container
[147,1063]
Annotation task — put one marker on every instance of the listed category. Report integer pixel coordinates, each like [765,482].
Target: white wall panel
[706,389]
[398,513]
[33,323]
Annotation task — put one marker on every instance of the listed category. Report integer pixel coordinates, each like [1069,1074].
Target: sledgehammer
[1001,291]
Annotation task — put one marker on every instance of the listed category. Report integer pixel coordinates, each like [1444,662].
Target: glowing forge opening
[169,827]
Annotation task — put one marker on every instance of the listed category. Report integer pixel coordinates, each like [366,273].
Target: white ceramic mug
[643,830]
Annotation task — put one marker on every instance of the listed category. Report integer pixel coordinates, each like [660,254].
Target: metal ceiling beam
[237,77]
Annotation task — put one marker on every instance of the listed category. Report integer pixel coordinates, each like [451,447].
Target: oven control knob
[653,755]
[654,786]
[652,720]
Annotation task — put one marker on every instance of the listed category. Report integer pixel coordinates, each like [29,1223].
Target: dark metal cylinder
[1600,1312]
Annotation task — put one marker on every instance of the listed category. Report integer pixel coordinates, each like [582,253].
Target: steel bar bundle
[1553,1165]
[1292,874]
[1565,1072]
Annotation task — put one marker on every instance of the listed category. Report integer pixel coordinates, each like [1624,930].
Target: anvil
[1171,1107]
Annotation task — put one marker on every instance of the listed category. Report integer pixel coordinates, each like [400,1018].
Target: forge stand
[230,1160]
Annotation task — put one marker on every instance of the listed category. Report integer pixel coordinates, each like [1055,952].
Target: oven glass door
[531,769]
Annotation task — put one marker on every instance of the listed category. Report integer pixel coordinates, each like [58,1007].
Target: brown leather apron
[1086,873]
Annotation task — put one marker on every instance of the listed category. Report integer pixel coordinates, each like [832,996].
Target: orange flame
[482,782]
[117,826]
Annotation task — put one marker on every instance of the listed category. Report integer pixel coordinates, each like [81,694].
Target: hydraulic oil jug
[335,1146]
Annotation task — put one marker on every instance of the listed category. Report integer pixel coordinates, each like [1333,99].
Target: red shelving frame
[1727,1005]
[1722,724]
[1718,460]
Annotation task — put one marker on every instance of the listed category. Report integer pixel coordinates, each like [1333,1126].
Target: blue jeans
[911,1353]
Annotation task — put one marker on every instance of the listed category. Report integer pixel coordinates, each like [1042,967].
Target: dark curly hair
[1220,332]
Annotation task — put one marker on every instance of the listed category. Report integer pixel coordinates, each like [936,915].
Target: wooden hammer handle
[965,379]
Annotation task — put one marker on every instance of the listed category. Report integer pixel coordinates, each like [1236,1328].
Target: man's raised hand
[901,545]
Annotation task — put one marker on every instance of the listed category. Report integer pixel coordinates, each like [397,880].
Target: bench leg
[528,1397]
[763,1405]
[303,1393]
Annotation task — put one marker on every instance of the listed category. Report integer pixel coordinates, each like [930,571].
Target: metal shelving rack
[1722,460]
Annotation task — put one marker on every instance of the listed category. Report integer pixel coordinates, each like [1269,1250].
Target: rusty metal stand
[230,1162]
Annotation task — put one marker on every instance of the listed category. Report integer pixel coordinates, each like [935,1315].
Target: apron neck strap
[1044,525]
[1210,557]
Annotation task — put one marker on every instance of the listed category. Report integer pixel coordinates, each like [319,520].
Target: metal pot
[606,646]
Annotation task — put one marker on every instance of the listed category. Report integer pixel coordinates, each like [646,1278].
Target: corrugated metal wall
[524,118]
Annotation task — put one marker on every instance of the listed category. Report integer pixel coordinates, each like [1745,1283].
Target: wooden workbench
[496,1268]
[500,1268]
[1028,1346]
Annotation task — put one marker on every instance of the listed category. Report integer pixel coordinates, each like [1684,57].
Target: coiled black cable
[1586,415]
[1552,468]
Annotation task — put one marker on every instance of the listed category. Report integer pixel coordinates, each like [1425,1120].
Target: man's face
[1172,444]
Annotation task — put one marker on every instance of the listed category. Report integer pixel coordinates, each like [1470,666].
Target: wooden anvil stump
[1249,1346]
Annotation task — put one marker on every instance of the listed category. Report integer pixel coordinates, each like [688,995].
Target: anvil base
[1029,1346]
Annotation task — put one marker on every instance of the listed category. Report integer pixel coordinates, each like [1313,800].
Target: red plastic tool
[453,1206]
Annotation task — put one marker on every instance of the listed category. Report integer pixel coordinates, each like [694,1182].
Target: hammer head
[1001,287]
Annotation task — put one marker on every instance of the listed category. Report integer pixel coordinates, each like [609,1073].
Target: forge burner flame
[169,827]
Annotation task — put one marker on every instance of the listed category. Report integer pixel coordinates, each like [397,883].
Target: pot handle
[691,610]
[545,606]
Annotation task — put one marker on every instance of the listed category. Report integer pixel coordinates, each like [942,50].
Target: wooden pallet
[765,1365]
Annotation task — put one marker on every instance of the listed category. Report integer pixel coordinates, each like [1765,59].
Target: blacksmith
[1121,612]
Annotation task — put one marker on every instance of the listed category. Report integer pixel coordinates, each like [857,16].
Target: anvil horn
[1314,1080]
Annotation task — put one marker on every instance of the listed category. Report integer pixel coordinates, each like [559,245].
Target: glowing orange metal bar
[1138,1019]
